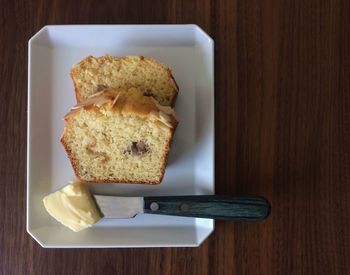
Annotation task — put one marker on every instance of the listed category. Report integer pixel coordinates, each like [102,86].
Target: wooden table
[282,72]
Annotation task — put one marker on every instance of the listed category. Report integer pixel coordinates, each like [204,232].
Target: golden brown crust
[166,154]
[133,100]
[173,100]
[71,158]
[76,90]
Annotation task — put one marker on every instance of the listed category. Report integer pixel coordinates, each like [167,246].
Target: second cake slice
[93,74]
[119,136]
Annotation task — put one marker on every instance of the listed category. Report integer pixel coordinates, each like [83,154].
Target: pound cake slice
[93,74]
[119,136]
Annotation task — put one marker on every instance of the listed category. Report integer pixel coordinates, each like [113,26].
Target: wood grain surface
[282,84]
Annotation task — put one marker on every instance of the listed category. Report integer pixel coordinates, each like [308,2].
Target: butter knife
[245,208]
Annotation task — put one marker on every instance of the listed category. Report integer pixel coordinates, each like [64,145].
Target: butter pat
[73,206]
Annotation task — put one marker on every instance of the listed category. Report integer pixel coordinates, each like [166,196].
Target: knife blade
[119,207]
[246,208]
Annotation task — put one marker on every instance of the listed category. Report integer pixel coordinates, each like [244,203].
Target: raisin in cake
[119,136]
[94,74]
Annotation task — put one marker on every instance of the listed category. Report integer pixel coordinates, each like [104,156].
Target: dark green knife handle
[209,206]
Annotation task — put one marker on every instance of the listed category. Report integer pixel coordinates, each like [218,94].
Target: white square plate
[188,50]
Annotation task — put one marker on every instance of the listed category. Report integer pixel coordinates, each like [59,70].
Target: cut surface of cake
[93,74]
[119,136]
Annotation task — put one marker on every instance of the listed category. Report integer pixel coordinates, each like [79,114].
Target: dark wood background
[282,80]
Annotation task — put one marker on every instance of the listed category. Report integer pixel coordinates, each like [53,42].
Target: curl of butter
[73,206]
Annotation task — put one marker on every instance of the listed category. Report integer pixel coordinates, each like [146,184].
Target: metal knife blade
[119,207]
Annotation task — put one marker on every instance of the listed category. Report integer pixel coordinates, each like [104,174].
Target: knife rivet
[184,207]
[154,206]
